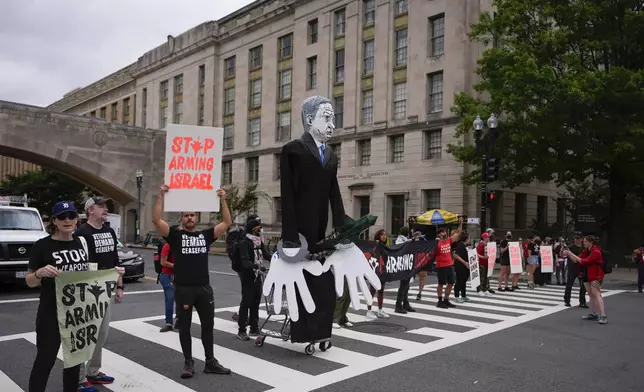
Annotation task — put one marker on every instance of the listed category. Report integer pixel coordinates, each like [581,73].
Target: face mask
[261,232]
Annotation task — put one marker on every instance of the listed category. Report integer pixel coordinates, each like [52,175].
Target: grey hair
[310,107]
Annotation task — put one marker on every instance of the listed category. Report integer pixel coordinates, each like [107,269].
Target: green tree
[44,188]
[567,78]
[244,202]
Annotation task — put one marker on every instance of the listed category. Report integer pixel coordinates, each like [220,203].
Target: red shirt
[593,261]
[481,249]
[165,251]
[444,253]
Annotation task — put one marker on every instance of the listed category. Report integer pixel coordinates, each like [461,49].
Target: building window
[369,10]
[163,104]
[103,113]
[283,126]
[311,73]
[163,89]
[397,148]
[437,35]
[277,167]
[435,92]
[433,144]
[254,131]
[202,93]
[364,207]
[336,148]
[255,57]
[229,101]
[400,100]
[277,205]
[397,212]
[226,173]
[520,210]
[368,51]
[92,113]
[285,84]
[178,99]
[339,111]
[367,107]
[364,152]
[163,117]
[401,7]
[126,111]
[229,67]
[401,47]
[178,112]
[432,199]
[339,66]
[115,112]
[286,46]
[252,169]
[229,136]
[255,93]
[178,84]
[340,19]
[144,100]
[313,31]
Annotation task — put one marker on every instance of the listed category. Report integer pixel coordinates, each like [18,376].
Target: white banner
[473,259]
[546,259]
[491,257]
[516,267]
[193,167]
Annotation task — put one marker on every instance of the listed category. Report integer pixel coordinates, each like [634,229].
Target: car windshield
[16,219]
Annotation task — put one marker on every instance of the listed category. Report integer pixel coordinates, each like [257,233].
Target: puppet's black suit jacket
[307,187]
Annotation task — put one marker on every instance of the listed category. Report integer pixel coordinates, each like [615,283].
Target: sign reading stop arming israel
[473,259]
[516,266]
[491,257]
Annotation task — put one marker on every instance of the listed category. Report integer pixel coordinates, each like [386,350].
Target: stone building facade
[391,68]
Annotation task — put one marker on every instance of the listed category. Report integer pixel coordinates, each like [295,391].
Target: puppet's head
[318,118]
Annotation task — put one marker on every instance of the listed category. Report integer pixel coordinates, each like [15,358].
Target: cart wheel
[259,342]
[310,349]
[325,346]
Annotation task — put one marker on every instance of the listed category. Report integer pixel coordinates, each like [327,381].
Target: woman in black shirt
[60,251]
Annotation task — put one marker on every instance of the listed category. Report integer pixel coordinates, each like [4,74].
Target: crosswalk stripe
[427,331]
[129,375]
[7,384]
[438,319]
[245,365]
[528,303]
[454,311]
[531,296]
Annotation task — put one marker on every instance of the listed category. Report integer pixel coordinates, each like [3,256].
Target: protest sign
[473,259]
[516,267]
[401,261]
[193,167]
[82,300]
[546,259]
[491,257]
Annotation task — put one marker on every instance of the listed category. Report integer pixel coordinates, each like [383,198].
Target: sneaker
[167,328]
[100,378]
[381,314]
[242,336]
[371,315]
[348,324]
[336,326]
[490,291]
[516,287]
[511,288]
[213,366]
[583,306]
[419,297]
[449,304]
[482,294]
[86,387]
[408,308]
[188,369]
[460,300]
[253,332]
[467,299]
[500,289]
[590,317]
[441,304]
[567,304]
[603,320]
[400,310]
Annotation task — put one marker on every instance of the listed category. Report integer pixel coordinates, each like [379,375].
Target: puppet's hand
[350,262]
[289,274]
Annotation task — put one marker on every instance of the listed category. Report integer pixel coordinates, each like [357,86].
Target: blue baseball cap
[62,207]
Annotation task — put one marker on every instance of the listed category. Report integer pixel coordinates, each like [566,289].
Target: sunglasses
[67,215]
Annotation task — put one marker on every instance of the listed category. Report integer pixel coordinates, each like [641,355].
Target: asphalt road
[524,341]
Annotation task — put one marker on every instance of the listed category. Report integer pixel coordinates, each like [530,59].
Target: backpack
[157,256]
[606,266]
[233,238]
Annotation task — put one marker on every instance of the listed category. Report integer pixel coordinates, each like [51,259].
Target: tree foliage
[44,188]
[241,203]
[567,78]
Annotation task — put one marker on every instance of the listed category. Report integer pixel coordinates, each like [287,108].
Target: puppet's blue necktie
[322,153]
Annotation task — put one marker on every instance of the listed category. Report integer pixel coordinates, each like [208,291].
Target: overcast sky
[49,47]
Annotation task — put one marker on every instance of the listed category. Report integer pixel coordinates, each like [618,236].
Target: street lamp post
[139,183]
[488,165]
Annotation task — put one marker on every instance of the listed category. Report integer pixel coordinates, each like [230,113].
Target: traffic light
[491,196]
[492,169]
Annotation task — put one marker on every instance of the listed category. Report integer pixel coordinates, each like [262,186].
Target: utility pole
[489,166]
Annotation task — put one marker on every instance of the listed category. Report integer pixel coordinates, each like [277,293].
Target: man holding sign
[445,264]
[192,277]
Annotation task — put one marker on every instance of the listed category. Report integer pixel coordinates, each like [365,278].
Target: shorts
[445,275]
[533,260]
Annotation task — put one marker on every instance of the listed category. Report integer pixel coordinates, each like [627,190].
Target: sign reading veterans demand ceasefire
[82,299]
[193,167]
[546,258]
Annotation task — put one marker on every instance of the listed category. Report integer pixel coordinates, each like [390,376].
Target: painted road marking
[7,384]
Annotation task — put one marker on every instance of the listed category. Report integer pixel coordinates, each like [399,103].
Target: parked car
[132,262]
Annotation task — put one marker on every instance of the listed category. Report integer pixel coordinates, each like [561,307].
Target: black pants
[202,299]
[570,281]
[640,276]
[402,297]
[251,286]
[462,274]
[485,284]
[47,343]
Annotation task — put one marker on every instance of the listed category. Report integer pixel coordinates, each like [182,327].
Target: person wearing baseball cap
[574,273]
[481,251]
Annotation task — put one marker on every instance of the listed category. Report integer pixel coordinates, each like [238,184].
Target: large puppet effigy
[306,260]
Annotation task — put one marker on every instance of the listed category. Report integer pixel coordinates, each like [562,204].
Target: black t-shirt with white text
[534,249]
[505,257]
[190,250]
[102,245]
[67,256]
